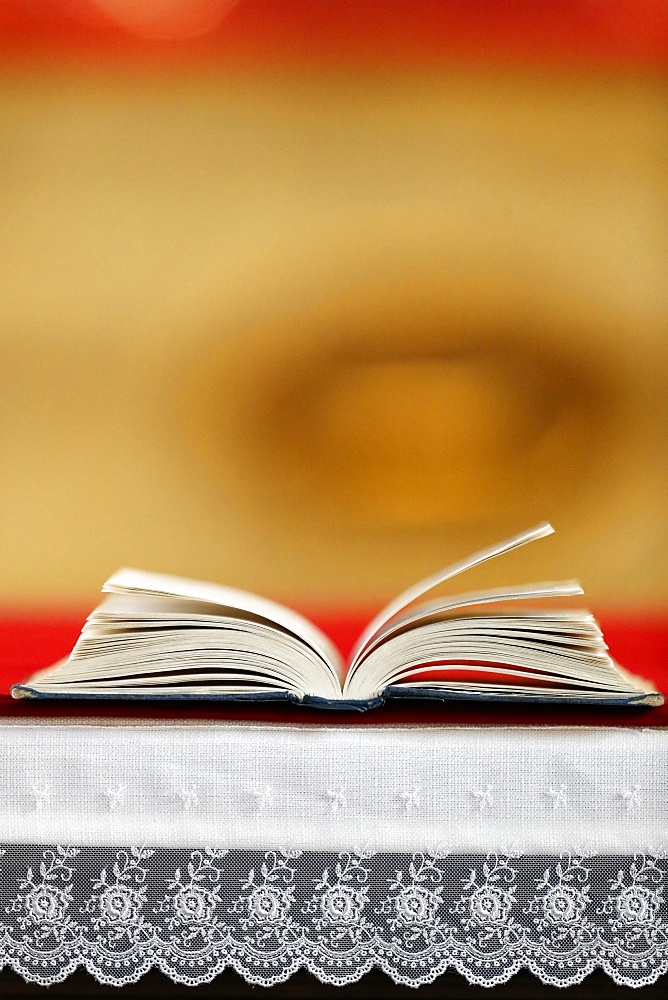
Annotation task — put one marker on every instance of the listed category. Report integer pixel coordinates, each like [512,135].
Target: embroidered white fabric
[191,913]
[334,787]
[332,847]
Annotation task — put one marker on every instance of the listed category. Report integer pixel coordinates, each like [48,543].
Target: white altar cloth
[334,787]
[194,846]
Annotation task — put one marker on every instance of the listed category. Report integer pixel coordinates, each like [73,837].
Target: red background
[358,32]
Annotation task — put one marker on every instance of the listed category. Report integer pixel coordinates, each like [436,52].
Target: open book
[157,636]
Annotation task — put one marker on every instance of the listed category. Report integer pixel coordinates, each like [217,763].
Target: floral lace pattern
[120,911]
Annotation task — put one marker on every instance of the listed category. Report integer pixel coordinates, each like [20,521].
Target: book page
[129,581]
[443,608]
[423,587]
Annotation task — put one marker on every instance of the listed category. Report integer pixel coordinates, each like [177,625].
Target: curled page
[129,581]
[499,595]
[423,587]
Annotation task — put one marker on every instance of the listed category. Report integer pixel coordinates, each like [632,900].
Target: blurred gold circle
[427,405]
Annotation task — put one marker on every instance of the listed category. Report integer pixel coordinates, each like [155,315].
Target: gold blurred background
[315,333]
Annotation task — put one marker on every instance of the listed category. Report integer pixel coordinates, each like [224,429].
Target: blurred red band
[320,33]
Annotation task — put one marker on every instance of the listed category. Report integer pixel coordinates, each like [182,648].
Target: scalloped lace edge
[88,960]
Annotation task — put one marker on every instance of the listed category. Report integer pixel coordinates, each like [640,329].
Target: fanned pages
[157,636]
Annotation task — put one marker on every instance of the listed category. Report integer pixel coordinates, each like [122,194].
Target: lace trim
[191,913]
